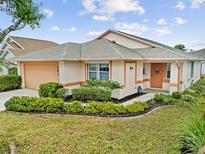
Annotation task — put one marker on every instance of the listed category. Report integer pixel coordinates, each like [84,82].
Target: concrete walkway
[4,96]
[146,97]
[143,98]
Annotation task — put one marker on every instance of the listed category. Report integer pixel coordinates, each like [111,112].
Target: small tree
[23,13]
[180,47]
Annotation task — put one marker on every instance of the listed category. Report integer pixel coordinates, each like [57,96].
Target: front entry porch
[162,76]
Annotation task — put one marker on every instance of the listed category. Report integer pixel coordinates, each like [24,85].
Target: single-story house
[132,61]
[201,53]
[15,46]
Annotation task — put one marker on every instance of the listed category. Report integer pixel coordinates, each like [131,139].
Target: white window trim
[167,71]
[98,70]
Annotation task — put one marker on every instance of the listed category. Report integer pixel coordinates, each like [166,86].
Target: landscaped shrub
[136,107]
[177,95]
[13,70]
[73,107]
[86,94]
[50,90]
[106,84]
[34,104]
[187,98]
[60,93]
[193,137]
[104,108]
[198,100]
[9,82]
[158,98]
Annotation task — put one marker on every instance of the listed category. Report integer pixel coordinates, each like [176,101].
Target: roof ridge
[13,37]
[117,51]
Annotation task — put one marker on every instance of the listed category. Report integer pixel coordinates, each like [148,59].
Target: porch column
[19,68]
[184,72]
[61,73]
[174,77]
[139,74]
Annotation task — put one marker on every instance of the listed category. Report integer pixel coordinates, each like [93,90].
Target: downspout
[178,78]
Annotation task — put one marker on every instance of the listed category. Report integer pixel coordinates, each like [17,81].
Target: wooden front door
[156,75]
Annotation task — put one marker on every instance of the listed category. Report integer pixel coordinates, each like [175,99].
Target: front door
[156,75]
[130,75]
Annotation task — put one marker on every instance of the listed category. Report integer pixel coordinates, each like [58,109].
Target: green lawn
[157,133]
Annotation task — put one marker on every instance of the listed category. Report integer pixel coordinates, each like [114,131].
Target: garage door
[36,73]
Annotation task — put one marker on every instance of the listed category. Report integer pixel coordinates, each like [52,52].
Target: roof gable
[127,40]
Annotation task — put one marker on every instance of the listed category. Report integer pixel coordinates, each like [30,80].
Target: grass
[156,133]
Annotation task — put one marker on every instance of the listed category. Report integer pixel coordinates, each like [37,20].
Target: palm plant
[193,136]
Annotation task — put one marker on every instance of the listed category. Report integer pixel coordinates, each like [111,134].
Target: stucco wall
[73,72]
[125,41]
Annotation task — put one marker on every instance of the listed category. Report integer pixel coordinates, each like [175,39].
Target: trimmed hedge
[57,105]
[9,82]
[51,89]
[86,94]
[34,104]
[137,107]
[105,84]
[74,107]
[104,108]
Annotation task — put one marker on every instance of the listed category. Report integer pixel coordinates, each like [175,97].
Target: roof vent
[113,42]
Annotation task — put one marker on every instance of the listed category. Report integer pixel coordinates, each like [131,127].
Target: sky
[167,21]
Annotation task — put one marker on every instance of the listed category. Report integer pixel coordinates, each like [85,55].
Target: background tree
[22,12]
[180,47]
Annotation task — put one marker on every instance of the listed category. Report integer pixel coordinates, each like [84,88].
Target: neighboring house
[133,61]
[15,46]
[201,53]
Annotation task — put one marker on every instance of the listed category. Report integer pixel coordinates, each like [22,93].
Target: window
[168,71]
[98,71]
[192,69]
[144,67]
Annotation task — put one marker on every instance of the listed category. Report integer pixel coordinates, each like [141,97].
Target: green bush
[158,98]
[60,93]
[177,95]
[187,98]
[104,108]
[86,94]
[106,84]
[50,90]
[13,70]
[198,100]
[136,107]
[74,107]
[9,82]
[34,104]
[193,137]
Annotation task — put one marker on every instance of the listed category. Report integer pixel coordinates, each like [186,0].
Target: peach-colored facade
[131,74]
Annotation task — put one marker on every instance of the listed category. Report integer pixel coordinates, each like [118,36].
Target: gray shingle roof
[103,49]
[199,53]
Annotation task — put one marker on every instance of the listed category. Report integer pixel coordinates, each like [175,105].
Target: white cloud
[180,5]
[162,21]
[163,31]
[112,7]
[48,13]
[102,18]
[179,21]
[198,44]
[132,28]
[197,3]
[55,29]
[72,29]
[94,34]
[145,20]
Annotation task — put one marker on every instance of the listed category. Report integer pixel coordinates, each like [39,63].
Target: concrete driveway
[4,96]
